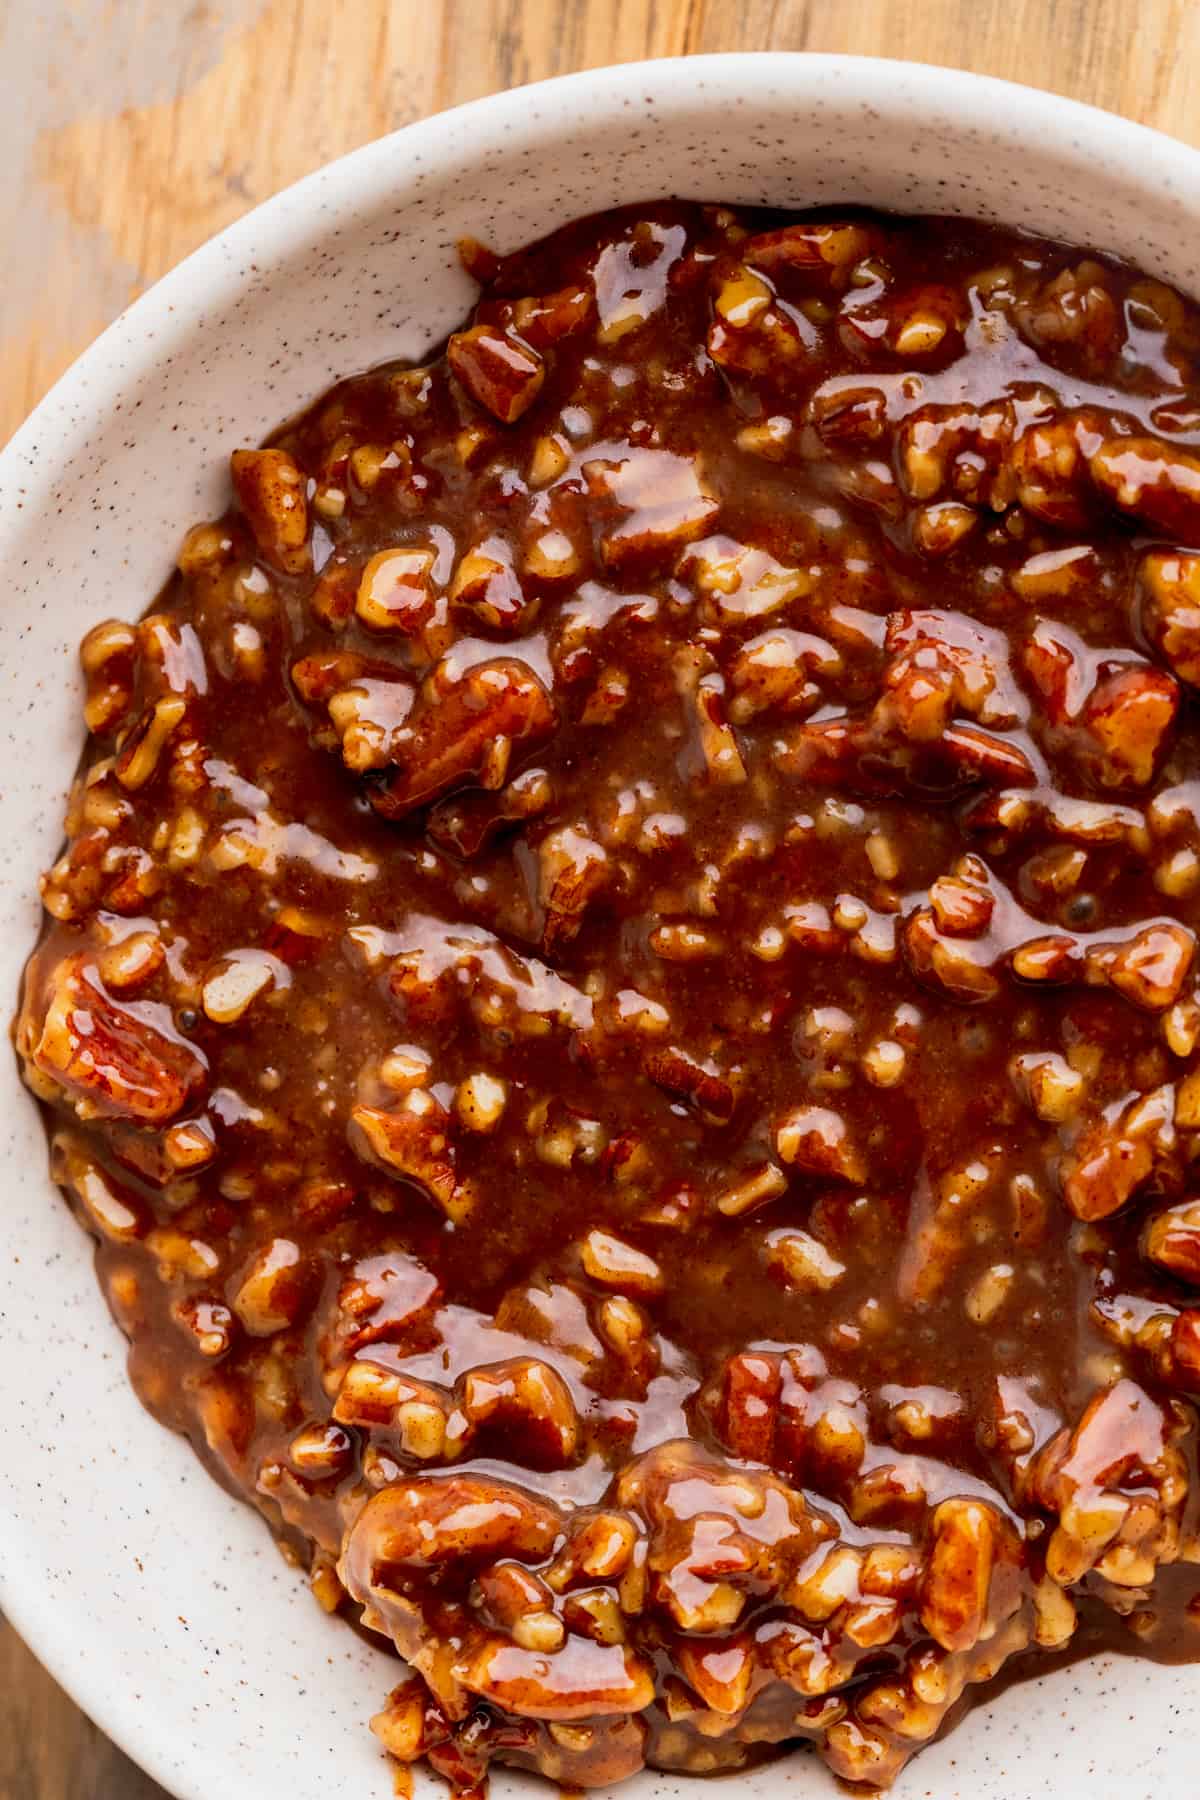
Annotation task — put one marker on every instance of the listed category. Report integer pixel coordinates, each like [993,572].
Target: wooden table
[189,114]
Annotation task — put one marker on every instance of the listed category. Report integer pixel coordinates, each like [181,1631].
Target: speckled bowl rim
[160,321]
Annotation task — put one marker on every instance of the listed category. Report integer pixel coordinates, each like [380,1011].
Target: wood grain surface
[134,129]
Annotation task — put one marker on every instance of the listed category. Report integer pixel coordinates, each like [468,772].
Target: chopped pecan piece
[430,1523]
[775,671]
[401,1725]
[371,1396]
[1116,1484]
[962,908]
[273,1290]
[414,1140]
[698,681]
[753,334]
[499,370]
[545,319]
[1054,1089]
[572,870]
[958,1577]
[271,491]
[531,1403]
[1115,716]
[719,1670]
[583,1680]
[486,584]
[464,729]
[1151,968]
[370,717]
[1185,1348]
[661,505]
[1169,586]
[121,1061]
[395,590]
[940,527]
[111,1208]
[1051,467]
[740,583]
[614,1263]
[1156,482]
[701,1084]
[943,665]
[816,1140]
[825,251]
[948,960]
[143,745]
[1075,311]
[1130,715]
[1172,1240]
[959,451]
[108,655]
[1113,1158]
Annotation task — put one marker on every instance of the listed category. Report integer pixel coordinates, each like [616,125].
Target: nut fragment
[1170,589]
[479,1101]
[1112,1158]
[1157,482]
[804,1262]
[465,727]
[413,1140]
[816,1140]
[143,747]
[1172,1240]
[572,870]
[114,1058]
[271,490]
[497,369]
[529,1399]
[616,1264]
[486,583]
[661,504]
[230,991]
[754,1190]
[107,654]
[395,590]
[959,1573]
[989,1293]
[272,1293]
[1054,1088]
[320,1451]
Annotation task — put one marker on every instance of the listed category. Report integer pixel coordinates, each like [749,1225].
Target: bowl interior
[158,1600]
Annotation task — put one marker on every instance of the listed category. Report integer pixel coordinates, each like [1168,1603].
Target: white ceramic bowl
[158,1601]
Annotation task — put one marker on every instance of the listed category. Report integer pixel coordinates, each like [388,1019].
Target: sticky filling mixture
[621,998]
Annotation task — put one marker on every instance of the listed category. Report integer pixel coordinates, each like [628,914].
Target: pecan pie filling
[621,999]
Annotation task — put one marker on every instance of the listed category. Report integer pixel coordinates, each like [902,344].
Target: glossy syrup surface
[621,1002]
